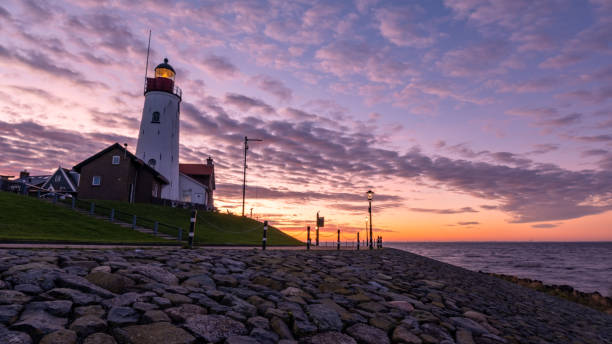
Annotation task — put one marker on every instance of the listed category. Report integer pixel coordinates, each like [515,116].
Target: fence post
[55,198]
[155,225]
[73,202]
[180,234]
[317,241]
[112,215]
[92,208]
[357,241]
[381,241]
[338,240]
[134,222]
[265,236]
[308,238]
[37,193]
[194,214]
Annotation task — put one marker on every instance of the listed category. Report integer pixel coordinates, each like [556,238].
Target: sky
[471,120]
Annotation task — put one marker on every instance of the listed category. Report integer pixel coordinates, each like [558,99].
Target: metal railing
[115,215]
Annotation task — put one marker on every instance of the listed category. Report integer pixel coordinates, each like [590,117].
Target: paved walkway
[111,246]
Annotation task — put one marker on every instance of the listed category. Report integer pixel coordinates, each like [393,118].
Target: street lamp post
[365,237]
[370,196]
[246,148]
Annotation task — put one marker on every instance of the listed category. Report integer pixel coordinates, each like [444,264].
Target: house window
[152,162]
[95,181]
[155,117]
[116,159]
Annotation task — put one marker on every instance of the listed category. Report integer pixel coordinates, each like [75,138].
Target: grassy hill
[211,228]
[24,218]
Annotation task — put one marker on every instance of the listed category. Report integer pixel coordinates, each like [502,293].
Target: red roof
[196,169]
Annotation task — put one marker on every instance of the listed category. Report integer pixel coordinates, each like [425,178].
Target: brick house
[116,174]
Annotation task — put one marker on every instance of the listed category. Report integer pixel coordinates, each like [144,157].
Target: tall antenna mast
[148,49]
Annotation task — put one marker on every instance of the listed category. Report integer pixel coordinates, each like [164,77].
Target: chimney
[209,161]
[24,174]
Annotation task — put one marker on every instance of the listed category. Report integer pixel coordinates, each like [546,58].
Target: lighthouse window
[155,117]
[152,162]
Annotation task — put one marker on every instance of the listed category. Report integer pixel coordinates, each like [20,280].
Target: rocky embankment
[174,296]
[593,300]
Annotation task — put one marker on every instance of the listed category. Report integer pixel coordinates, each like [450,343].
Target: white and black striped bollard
[194,215]
[265,236]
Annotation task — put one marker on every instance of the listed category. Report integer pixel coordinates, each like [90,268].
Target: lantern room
[163,80]
[164,70]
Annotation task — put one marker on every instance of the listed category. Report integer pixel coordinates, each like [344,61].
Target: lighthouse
[158,138]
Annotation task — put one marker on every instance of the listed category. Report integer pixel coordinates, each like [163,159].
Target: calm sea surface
[584,266]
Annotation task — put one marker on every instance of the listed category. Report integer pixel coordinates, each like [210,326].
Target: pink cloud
[543,84]
[272,86]
[220,66]
[402,26]
[344,58]
[474,60]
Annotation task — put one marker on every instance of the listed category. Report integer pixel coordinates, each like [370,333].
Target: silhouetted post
[370,196]
[55,198]
[180,237]
[112,215]
[92,208]
[381,242]
[73,202]
[265,236]
[338,240]
[155,227]
[134,222]
[194,214]
[308,238]
[38,194]
[357,241]
[317,238]
[246,148]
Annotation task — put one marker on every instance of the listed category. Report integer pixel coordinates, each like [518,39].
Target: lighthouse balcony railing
[162,84]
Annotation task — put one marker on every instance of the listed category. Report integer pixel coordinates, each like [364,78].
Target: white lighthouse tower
[158,139]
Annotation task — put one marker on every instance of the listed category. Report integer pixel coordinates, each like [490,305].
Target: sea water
[586,266]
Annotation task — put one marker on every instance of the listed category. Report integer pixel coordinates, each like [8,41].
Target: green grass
[25,218]
[211,228]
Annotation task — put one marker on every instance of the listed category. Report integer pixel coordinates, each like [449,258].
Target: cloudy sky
[470,119]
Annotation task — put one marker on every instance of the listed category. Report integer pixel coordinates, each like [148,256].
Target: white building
[158,138]
[158,142]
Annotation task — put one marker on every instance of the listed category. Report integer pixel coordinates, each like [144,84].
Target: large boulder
[13,337]
[115,283]
[39,323]
[120,316]
[214,328]
[11,297]
[156,273]
[325,318]
[330,338]
[368,334]
[60,337]
[87,325]
[155,333]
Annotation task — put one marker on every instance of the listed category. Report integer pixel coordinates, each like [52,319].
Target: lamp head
[370,195]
